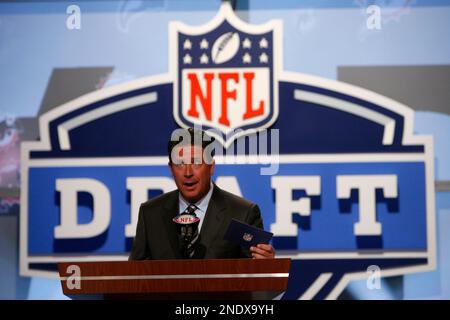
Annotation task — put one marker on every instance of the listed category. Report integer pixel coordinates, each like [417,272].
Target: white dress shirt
[202,205]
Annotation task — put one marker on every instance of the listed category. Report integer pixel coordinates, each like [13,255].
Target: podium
[175,279]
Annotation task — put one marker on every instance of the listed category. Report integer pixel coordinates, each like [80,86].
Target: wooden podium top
[174,276]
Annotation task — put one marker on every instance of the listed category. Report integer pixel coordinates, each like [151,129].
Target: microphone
[187,225]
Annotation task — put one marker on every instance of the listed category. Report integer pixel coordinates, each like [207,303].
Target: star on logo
[246,58]
[204,59]
[187,59]
[246,44]
[263,43]
[187,44]
[204,44]
[263,58]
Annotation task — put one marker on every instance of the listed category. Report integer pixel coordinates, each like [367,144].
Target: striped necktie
[191,233]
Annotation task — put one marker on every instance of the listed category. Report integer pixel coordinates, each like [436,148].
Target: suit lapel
[171,208]
[213,218]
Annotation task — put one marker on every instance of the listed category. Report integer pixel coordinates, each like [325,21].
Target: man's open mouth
[190,184]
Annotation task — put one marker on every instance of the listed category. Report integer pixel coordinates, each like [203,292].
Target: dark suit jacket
[157,236]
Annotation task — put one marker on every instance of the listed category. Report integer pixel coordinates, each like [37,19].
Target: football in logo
[225,47]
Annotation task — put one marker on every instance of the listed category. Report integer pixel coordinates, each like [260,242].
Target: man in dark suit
[157,236]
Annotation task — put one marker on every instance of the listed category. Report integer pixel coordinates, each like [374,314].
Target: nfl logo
[247,237]
[225,75]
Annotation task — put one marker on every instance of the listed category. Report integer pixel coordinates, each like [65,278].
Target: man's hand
[263,251]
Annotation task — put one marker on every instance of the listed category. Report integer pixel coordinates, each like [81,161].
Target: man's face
[192,175]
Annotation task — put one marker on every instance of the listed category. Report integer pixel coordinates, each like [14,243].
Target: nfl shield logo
[225,73]
[247,237]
